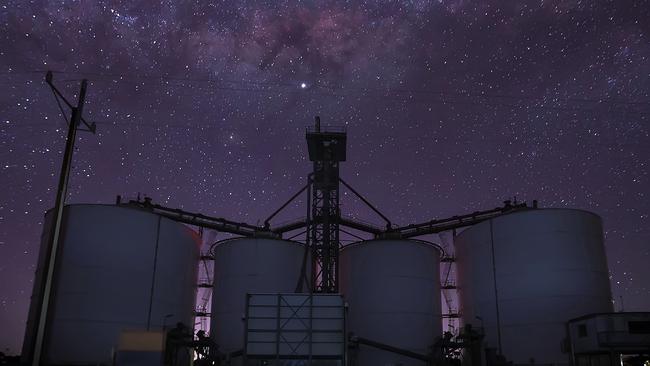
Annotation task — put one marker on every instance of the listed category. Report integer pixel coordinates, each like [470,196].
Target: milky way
[450,107]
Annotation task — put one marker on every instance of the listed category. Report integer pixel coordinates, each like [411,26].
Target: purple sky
[451,107]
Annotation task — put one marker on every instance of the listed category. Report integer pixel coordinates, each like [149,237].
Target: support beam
[326,150]
[200,220]
[455,222]
[364,200]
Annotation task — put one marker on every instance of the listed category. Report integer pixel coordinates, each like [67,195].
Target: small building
[614,339]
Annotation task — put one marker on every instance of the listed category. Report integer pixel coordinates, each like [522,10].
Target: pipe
[390,348]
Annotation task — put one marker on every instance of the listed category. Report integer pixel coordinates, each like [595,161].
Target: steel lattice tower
[326,150]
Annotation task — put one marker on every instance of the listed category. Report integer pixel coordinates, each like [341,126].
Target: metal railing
[327,129]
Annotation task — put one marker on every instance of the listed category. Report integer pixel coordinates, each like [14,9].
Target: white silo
[392,288]
[249,265]
[120,269]
[522,276]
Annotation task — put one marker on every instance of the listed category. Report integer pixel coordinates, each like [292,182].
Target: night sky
[450,106]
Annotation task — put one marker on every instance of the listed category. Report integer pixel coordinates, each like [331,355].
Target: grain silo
[523,275]
[120,269]
[249,265]
[393,291]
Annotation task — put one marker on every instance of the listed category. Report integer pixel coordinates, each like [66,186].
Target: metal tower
[326,149]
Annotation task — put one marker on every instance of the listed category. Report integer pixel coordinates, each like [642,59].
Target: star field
[450,106]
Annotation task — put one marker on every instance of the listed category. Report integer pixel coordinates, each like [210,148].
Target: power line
[363,91]
[131,77]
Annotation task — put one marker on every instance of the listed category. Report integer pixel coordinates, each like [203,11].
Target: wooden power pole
[53,249]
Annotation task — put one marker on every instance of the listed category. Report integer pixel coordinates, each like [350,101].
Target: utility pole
[50,264]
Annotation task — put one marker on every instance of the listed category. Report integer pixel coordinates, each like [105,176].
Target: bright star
[303,85]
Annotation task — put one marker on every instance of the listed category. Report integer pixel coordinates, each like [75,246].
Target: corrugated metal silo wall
[249,265]
[522,276]
[120,269]
[393,291]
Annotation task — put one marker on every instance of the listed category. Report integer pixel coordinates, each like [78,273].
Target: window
[639,327]
[582,330]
